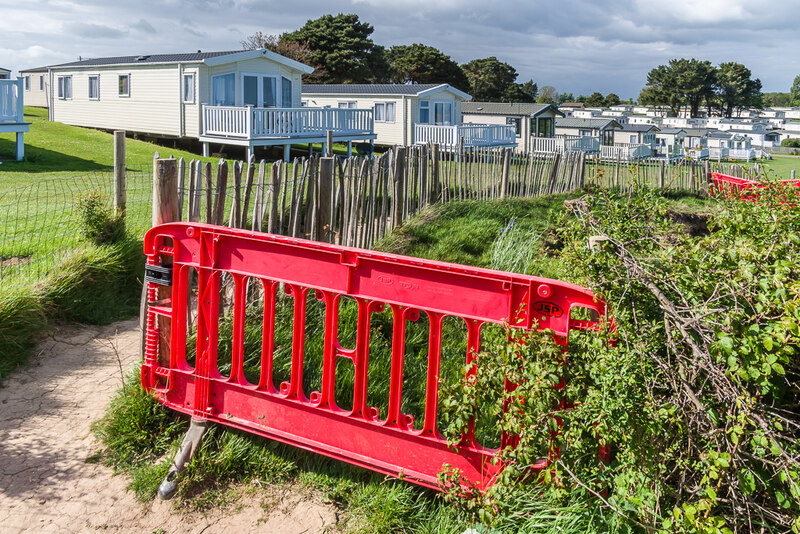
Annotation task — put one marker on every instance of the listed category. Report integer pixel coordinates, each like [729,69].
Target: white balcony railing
[697,153]
[625,152]
[670,151]
[742,153]
[254,123]
[474,135]
[565,143]
[11,101]
[718,152]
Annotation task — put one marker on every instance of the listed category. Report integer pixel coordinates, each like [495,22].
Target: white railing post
[20,104]
[249,121]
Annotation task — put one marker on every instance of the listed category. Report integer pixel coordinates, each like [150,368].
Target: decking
[249,126]
[473,135]
[11,113]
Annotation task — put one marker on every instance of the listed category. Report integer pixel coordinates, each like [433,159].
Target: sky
[577,46]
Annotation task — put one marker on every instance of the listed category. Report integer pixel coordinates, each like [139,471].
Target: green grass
[56,150]
[782,166]
[93,284]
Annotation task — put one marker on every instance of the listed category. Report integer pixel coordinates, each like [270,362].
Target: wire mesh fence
[357,203]
[42,223]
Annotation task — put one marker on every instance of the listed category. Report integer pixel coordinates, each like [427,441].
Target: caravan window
[124,85]
[65,87]
[223,90]
[94,87]
[188,88]
[286,92]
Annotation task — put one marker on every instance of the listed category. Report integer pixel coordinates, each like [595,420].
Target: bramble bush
[698,397]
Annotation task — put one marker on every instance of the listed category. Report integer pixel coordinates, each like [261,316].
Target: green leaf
[747,481]
[767,342]
[726,344]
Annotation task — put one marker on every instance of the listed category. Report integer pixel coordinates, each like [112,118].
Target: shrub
[699,397]
[792,143]
[98,224]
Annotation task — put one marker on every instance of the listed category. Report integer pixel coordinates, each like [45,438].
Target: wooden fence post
[165,191]
[323,199]
[398,191]
[662,175]
[506,169]
[329,143]
[120,196]
[435,187]
[165,210]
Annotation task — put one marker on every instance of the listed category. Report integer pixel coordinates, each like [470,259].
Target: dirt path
[46,485]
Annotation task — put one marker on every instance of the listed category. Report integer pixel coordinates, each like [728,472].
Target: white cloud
[578,46]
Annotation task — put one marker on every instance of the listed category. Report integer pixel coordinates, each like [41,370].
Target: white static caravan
[529,120]
[37,86]
[5,74]
[407,114]
[244,98]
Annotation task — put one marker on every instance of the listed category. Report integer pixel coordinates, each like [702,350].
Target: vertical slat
[222,185]
[248,185]
[272,223]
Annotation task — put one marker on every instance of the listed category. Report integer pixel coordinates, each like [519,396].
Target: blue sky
[577,46]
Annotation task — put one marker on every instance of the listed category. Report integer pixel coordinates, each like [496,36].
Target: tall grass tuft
[21,314]
[96,284]
[514,248]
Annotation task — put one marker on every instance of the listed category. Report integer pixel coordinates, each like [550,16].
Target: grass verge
[96,284]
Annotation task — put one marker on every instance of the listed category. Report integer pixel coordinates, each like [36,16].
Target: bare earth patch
[46,410]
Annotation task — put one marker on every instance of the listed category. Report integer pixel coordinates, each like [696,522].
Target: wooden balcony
[474,135]
[249,126]
[565,143]
[12,112]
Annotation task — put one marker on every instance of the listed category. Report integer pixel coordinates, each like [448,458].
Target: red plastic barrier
[730,186]
[311,419]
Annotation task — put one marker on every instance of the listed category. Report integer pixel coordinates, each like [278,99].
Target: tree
[595,100]
[566,97]
[291,49]
[341,44]
[420,63]
[794,94]
[612,99]
[547,95]
[683,82]
[735,89]
[489,78]
[521,92]
[777,100]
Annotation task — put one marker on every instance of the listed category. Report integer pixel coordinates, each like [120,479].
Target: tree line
[341,50]
[692,83]
[790,99]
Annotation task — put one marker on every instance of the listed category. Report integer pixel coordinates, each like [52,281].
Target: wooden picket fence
[357,201]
